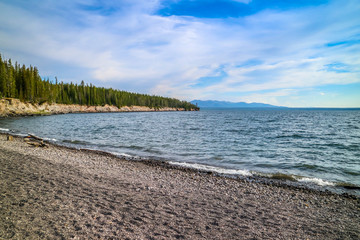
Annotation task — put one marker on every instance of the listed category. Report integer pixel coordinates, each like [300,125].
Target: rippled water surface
[321,146]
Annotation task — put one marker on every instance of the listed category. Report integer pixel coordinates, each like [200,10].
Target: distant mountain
[224,104]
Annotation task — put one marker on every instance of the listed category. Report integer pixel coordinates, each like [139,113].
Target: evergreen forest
[26,84]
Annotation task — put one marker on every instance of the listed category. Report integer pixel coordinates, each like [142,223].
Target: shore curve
[63,193]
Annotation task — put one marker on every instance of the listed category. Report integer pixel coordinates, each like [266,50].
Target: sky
[303,53]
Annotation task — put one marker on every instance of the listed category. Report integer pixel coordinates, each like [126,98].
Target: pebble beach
[56,192]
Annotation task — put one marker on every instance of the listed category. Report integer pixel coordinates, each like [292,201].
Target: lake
[316,147]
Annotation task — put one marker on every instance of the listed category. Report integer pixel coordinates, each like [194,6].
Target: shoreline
[279,179]
[59,192]
[12,107]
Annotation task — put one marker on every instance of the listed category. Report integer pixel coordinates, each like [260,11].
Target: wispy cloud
[265,55]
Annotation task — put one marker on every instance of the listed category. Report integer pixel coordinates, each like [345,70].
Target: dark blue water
[316,146]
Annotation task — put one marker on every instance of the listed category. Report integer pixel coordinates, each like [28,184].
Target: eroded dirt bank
[14,107]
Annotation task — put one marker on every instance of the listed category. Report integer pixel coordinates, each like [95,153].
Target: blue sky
[302,53]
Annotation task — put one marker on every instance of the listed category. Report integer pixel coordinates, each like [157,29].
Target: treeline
[26,84]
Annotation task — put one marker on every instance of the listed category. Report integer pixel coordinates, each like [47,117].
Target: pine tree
[2,78]
[26,84]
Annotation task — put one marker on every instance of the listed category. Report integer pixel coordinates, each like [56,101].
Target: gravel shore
[60,193]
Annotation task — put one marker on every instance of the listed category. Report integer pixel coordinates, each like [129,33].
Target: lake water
[320,147]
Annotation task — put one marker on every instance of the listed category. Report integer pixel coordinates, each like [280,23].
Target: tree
[26,84]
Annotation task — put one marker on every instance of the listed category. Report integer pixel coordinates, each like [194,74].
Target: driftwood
[34,141]
[37,144]
[34,137]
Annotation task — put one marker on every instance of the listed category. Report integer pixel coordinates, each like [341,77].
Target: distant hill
[224,104]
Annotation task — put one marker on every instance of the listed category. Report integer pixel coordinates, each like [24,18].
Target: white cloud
[167,55]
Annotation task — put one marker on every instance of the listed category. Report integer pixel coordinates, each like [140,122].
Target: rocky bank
[14,107]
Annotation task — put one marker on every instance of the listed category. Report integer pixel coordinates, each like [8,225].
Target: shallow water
[315,146]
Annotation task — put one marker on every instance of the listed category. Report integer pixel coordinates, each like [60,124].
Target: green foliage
[26,84]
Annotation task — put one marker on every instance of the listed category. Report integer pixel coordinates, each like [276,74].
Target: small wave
[296,178]
[353,126]
[129,156]
[109,127]
[4,130]
[348,186]
[277,176]
[282,176]
[212,169]
[122,154]
[353,147]
[352,173]
[272,120]
[125,155]
[76,142]
[350,147]
[50,139]
[233,130]
[135,147]
[317,181]
[19,134]
[307,166]
[150,150]
[295,136]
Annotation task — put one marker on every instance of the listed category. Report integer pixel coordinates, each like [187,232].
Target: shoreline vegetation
[11,107]
[57,192]
[24,83]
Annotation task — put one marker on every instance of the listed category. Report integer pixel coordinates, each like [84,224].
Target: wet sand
[61,193]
